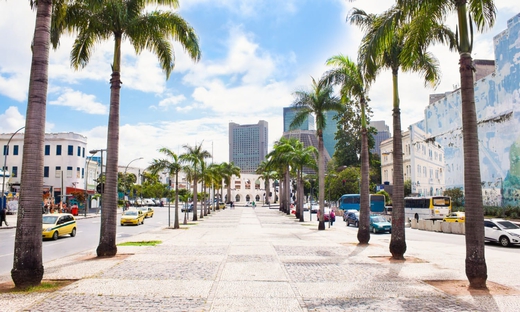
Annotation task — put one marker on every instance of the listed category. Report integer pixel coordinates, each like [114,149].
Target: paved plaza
[263,260]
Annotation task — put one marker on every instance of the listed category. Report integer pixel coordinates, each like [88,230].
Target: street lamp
[127,169]
[6,151]
[93,152]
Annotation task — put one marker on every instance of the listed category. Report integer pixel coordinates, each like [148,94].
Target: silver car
[501,231]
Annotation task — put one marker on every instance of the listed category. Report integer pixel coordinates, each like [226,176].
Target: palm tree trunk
[363,234]
[176,222]
[287,191]
[300,196]
[321,181]
[476,269]
[397,241]
[27,262]
[195,182]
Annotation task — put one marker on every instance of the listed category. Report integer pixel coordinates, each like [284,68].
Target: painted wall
[497,100]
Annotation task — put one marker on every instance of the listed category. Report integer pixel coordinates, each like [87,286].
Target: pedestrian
[3,212]
[253,204]
[332,217]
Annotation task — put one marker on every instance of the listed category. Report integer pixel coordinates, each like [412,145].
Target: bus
[351,202]
[427,208]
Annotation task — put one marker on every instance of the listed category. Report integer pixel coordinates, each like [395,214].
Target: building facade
[308,138]
[423,162]
[383,133]
[288,117]
[64,163]
[248,145]
[329,132]
[497,102]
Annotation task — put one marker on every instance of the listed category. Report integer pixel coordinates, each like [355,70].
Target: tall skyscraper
[288,117]
[383,133]
[248,145]
[329,132]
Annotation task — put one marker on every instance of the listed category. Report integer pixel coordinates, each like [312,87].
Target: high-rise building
[288,116]
[383,133]
[248,145]
[329,132]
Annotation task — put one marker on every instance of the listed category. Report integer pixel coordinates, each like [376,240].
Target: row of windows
[80,172]
[14,171]
[80,152]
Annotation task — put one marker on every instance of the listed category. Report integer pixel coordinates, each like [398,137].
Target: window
[82,173]
[15,150]
[58,150]
[83,153]
[418,171]
[14,171]
[69,172]
[79,151]
[46,172]
[47,150]
[6,150]
[57,174]
[78,172]
[70,150]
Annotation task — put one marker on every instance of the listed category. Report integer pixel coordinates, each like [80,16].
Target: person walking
[332,217]
[3,213]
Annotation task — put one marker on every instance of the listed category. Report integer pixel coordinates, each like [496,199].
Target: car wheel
[504,241]
[357,224]
[374,230]
[142,222]
[390,232]
[55,235]
[73,233]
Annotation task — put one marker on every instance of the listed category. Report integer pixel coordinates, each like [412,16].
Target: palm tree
[350,77]
[266,173]
[280,159]
[482,13]
[27,261]
[317,102]
[228,171]
[95,21]
[195,156]
[173,166]
[302,157]
[382,48]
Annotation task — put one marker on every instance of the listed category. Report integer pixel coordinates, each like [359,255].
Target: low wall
[439,226]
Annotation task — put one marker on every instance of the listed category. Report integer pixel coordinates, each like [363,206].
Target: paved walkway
[263,260]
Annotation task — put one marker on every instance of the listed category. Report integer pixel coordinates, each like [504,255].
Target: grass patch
[141,243]
[45,286]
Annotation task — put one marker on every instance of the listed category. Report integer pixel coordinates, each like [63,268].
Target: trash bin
[74,210]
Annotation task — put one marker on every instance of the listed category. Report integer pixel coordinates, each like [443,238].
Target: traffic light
[100,188]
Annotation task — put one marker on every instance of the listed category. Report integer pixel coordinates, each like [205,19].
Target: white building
[248,188]
[64,163]
[423,162]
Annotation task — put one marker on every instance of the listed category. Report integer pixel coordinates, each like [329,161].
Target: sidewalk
[12,219]
[260,259]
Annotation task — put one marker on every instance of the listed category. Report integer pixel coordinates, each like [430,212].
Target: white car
[501,231]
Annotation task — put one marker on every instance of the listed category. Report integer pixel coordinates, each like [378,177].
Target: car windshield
[130,213]
[49,219]
[377,219]
[508,225]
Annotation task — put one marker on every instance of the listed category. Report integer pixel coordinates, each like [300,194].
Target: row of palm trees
[92,21]
[198,171]
[397,40]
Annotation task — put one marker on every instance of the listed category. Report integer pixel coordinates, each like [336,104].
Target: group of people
[56,208]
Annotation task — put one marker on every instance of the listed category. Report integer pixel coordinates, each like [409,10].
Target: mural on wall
[497,100]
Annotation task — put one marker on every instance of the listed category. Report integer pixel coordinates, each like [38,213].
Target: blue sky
[255,54]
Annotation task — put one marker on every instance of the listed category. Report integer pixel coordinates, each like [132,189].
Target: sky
[255,55]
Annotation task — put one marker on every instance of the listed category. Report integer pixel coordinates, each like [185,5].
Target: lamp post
[93,152]
[6,151]
[87,165]
[127,168]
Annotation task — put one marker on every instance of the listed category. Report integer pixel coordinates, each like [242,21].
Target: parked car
[379,224]
[457,216]
[132,217]
[221,205]
[58,224]
[189,209]
[501,231]
[315,207]
[351,217]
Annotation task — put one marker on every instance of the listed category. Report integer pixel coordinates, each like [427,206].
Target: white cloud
[11,120]
[80,101]
[172,100]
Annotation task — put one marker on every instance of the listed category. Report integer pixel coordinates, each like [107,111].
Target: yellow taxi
[221,205]
[457,216]
[133,217]
[147,211]
[58,224]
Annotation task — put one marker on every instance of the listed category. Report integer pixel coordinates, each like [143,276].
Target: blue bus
[351,202]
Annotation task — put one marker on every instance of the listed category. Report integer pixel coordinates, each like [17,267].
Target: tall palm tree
[27,260]
[215,174]
[173,166]
[382,48]
[302,157]
[266,173]
[95,21]
[318,101]
[195,156]
[280,158]
[354,85]
[228,171]
[483,14]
